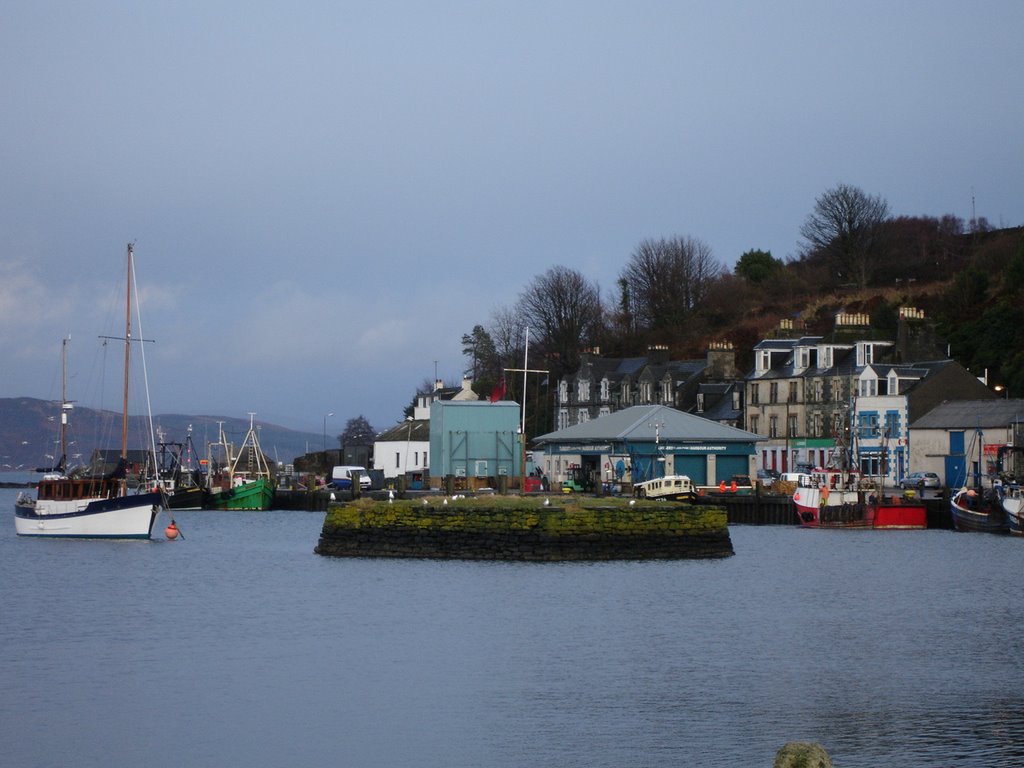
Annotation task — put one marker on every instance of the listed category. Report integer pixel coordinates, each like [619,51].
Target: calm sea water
[237,646]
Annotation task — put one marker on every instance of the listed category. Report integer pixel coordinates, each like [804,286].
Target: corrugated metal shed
[972,414]
[638,424]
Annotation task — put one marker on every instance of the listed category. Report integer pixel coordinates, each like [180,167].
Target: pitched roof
[972,414]
[411,429]
[638,424]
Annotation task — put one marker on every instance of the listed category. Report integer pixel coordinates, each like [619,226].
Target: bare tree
[564,313]
[845,226]
[666,279]
[506,330]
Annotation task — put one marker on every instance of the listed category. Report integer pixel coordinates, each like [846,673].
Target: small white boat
[669,487]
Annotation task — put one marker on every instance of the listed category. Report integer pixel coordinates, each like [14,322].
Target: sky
[325,196]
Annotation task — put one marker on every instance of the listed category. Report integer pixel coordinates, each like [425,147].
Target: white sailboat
[91,507]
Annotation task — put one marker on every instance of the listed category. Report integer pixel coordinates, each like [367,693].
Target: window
[563,391]
[753,424]
[645,392]
[426,464]
[583,390]
[868,387]
[892,424]
[773,426]
[605,390]
[736,404]
[398,460]
[773,392]
[625,393]
[563,418]
[792,392]
[754,398]
[791,425]
[582,416]
[867,425]
[666,392]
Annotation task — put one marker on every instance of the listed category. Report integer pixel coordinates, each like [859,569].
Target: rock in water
[802,754]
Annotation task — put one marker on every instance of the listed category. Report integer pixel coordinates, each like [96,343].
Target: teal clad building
[476,442]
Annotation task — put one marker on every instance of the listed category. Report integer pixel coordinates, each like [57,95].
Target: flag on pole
[499,390]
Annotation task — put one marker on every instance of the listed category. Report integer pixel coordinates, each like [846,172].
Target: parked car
[766,477]
[920,480]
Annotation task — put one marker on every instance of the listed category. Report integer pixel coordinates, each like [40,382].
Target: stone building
[604,385]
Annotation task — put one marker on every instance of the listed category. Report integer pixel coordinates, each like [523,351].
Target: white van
[341,478]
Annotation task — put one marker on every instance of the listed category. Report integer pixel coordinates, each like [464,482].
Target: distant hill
[29,432]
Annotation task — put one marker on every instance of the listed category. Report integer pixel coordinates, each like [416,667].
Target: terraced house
[708,387]
[808,394]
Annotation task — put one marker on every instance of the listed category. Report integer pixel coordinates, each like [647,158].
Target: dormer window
[605,390]
[865,354]
[583,390]
[700,402]
[803,358]
[563,391]
[764,360]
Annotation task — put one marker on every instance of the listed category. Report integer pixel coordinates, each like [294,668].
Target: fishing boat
[97,506]
[178,467]
[838,499]
[976,512]
[838,496]
[1013,506]
[244,480]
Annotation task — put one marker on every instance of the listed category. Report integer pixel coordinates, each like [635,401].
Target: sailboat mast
[63,404]
[127,357]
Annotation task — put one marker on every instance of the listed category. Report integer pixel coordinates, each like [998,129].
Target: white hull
[128,517]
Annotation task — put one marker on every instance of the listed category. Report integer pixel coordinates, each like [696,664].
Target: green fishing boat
[246,481]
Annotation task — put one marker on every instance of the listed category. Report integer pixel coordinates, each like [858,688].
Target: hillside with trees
[966,276]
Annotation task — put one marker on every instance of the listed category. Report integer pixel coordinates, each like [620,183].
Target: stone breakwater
[502,528]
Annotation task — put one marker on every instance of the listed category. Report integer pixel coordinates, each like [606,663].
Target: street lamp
[1004,389]
[325,433]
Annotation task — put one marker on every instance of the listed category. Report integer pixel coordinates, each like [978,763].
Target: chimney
[721,365]
[657,354]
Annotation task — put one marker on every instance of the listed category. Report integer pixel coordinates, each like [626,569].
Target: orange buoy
[171,532]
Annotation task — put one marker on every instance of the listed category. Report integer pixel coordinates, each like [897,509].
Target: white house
[404,449]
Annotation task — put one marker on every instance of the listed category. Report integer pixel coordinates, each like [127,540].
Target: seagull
[547,502]
[332,495]
[446,502]
[632,502]
[391,496]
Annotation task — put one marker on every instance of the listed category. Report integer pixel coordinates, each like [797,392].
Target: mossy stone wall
[496,530]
